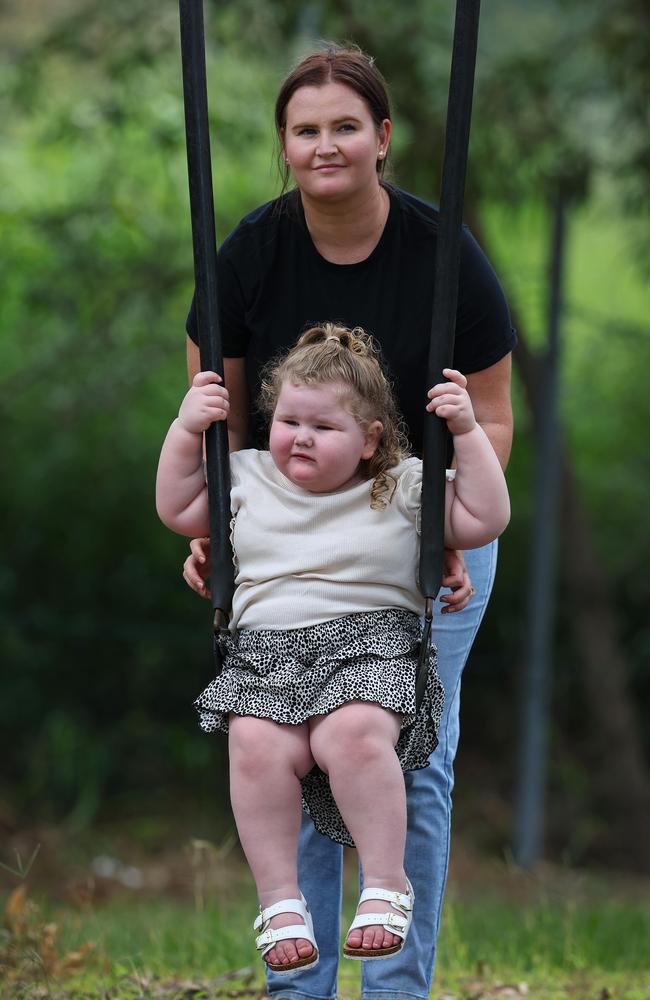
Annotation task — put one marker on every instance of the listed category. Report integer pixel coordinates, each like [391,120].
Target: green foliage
[105,646]
[106,651]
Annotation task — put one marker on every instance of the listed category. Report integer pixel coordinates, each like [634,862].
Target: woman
[344,246]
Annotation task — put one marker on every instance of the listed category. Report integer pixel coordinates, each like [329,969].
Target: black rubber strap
[443,323]
[205,277]
[445,301]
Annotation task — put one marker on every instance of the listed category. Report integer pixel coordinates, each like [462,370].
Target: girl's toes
[287,952]
[369,938]
[272,957]
[304,948]
[389,940]
[280,955]
[355,939]
[383,939]
[380,938]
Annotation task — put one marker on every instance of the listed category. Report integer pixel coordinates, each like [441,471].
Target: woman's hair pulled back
[334,354]
[333,63]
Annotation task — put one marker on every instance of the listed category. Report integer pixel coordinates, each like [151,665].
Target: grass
[556,948]
[511,940]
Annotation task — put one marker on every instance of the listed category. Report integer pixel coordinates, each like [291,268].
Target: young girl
[317,693]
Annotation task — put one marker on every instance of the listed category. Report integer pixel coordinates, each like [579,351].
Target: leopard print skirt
[291,675]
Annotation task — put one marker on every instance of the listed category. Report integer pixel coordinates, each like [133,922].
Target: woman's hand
[456,577]
[196,568]
[205,402]
[450,401]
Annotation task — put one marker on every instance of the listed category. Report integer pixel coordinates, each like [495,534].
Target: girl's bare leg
[266,762]
[355,745]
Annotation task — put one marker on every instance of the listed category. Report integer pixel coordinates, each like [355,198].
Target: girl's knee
[259,746]
[357,734]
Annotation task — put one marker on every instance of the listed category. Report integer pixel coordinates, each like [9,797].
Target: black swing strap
[205,278]
[443,321]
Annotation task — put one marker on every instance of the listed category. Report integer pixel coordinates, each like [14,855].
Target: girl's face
[316,442]
[332,143]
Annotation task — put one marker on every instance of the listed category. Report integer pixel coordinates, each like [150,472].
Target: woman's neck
[347,232]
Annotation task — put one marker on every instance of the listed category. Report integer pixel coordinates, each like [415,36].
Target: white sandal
[394,923]
[265,941]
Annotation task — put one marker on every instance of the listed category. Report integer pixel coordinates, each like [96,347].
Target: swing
[204,243]
[443,320]
[442,324]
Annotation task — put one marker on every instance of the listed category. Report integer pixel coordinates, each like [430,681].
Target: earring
[381,154]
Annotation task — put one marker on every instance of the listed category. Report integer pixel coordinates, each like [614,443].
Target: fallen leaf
[75,959]
[47,948]
[14,915]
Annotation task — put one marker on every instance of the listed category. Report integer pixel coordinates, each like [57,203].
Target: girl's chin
[306,478]
[300,471]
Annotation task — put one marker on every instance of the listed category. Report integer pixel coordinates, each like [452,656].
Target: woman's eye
[307,131]
[347,127]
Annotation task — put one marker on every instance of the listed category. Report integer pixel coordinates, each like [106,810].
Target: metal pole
[540,618]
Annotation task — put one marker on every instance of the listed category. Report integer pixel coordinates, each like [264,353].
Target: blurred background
[102,646]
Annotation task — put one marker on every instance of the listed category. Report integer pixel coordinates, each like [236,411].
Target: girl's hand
[450,401]
[205,402]
[196,568]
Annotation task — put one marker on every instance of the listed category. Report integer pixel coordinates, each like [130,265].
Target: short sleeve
[238,464]
[484,331]
[408,492]
[232,311]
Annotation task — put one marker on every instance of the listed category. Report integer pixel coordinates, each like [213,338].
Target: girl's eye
[323,427]
[307,131]
[347,127]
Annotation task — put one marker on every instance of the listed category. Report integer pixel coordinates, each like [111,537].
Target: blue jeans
[320,861]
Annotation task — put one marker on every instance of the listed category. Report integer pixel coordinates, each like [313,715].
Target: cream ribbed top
[302,559]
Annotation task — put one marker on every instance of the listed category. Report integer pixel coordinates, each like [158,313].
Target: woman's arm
[181,492]
[489,391]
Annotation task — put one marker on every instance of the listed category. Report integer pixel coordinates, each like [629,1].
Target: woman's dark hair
[335,64]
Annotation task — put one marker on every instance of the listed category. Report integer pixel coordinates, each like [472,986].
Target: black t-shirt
[273,284]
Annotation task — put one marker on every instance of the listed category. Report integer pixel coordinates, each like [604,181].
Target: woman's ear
[384,132]
[374,432]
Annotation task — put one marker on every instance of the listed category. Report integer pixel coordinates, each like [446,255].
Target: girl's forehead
[329,393]
[325,397]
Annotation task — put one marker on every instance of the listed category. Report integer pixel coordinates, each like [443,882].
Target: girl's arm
[234,370]
[477,507]
[181,492]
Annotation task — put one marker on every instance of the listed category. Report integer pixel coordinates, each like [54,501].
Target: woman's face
[332,144]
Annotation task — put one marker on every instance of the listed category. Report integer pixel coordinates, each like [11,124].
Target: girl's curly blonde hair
[331,353]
